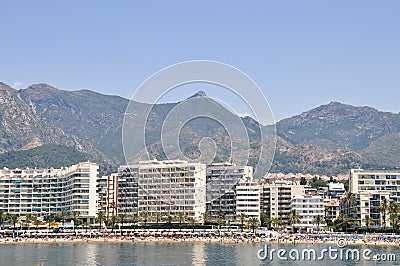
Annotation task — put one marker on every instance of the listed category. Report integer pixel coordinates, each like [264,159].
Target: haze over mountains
[43,126]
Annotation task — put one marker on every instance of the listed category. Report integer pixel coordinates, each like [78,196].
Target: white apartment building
[49,191]
[276,197]
[308,207]
[248,198]
[169,187]
[222,179]
[371,187]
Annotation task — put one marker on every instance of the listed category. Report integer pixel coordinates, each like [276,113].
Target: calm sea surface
[64,254]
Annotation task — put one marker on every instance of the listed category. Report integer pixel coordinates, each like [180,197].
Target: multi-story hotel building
[276,198]
[107,195]
[371,187]
[222,179]
[308,207]
[166,188]
[248,198]
[49,191]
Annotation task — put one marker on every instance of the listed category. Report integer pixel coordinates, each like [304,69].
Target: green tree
[368,222]
[242,218]
[145,216]
[2,215]
[253,223]
[100,218]
[158,218]
[14,219]
[276,223]
[206,218]
[192,222]
[76,217]
[318,220]
[36,222]
[50,218]
[112,221]
[384,208]
[265,221]
[349,200]
[181,219]
[394,209]
[343,222]
[121,220]
[63,215]
[293,218]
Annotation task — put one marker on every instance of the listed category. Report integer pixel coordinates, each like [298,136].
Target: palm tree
[100,218]
[13,219]
[121,220]
[112,221]
[76,217]
[318,220]
[205,217]
[49,219]
[368,222]
[394,209]
[36,222]
[145,216]
[293,218]
[242,218]
[192,222]
[169,220]
[220,220]
[158,218]
[384,207]
[1,217]
[253,223]
[349,199]
[181,219]
[135,219]
[28,220]
[343,221]
[62,216]
[264,220]
[276,223]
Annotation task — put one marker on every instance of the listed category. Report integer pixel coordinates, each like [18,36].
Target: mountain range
[42,126]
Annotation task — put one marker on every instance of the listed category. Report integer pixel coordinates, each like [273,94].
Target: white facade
[370,188]
[170,188]
[308,207]
[276,198]
[49,191]
[248,198]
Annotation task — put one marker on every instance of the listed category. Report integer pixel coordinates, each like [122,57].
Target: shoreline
[394,242]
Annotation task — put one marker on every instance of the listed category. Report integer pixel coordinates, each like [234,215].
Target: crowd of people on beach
[214,236]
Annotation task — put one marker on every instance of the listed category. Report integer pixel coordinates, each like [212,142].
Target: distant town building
[222,179]
[335,190]
[49,191]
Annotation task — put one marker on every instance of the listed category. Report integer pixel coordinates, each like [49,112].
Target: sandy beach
[210,237]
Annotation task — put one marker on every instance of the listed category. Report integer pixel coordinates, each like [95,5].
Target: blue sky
[301,53]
